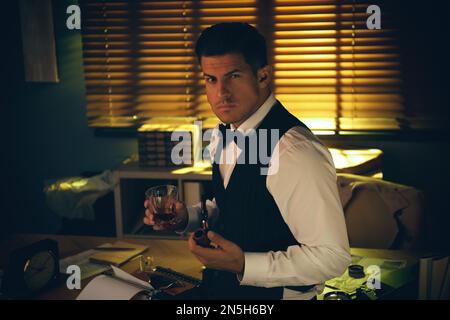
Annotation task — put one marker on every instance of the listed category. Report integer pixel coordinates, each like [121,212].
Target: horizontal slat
[211,4]
[321,33]
[90,69]
[298,74]
[381,98]
[99,90]
[382,81]
[287,55]
[328,45]
[333,57]
[353,65]
[142,108]
[324,89]
[124,60]
[141,96]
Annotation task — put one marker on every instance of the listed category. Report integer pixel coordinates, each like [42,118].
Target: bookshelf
[131,181]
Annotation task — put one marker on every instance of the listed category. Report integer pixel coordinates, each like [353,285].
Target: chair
[381,214]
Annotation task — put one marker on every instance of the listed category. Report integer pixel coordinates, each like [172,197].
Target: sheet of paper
[128,277]
[119,287]
[107,288]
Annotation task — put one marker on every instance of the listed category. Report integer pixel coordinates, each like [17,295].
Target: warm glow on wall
[319,123]
[342,158]
[199,168]
[169,124]
[349,158]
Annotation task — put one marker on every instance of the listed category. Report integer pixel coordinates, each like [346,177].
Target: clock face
[39,270]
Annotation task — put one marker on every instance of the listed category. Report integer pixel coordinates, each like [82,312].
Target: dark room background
[46,135]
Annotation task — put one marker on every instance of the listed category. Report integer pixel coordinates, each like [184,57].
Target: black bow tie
[223,131]
[236,134]
[223,128]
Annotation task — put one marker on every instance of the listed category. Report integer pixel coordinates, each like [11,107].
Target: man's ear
[264,76]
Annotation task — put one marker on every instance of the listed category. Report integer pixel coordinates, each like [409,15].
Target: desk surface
[173,254]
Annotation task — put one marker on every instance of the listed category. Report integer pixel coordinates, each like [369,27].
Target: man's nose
[223,90]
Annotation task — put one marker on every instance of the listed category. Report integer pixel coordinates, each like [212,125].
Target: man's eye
[210,80]
[235,75]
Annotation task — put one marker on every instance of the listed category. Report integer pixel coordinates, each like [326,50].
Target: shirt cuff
[255,269]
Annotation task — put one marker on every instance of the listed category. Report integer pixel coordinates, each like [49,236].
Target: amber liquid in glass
[164,215]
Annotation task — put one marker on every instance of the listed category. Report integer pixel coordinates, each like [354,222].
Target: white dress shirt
[303,185]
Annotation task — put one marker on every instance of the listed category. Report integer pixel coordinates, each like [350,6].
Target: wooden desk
[173,254]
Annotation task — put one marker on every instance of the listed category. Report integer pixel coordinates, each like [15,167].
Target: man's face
[233,90]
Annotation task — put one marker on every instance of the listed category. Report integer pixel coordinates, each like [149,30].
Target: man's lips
[225,106]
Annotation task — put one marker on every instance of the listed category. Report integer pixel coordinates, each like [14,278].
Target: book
[425,266]
[177,276]
[440,265]
[445,292]
[432,277]
[119,257]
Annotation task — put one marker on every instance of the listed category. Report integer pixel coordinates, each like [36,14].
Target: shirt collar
[256,118]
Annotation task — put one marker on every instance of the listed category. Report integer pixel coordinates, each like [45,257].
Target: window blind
[139,58]
[330,70]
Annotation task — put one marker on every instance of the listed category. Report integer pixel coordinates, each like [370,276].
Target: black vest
[250,217]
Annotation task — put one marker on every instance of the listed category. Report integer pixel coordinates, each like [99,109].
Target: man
[280,235]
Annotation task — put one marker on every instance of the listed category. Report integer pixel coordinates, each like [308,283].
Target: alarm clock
[32,269]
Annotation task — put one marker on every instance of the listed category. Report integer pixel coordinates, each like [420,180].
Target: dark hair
[233,37]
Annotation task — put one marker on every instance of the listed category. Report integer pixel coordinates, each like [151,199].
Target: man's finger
[218,239]
[192,244]
[148,221]
[150,217]
[151,222]
[179,205]
[149,213]
[198,250]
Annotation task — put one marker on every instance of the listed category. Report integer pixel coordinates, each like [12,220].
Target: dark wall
[52,139]
[424,162]
[48,137]
[425,49]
